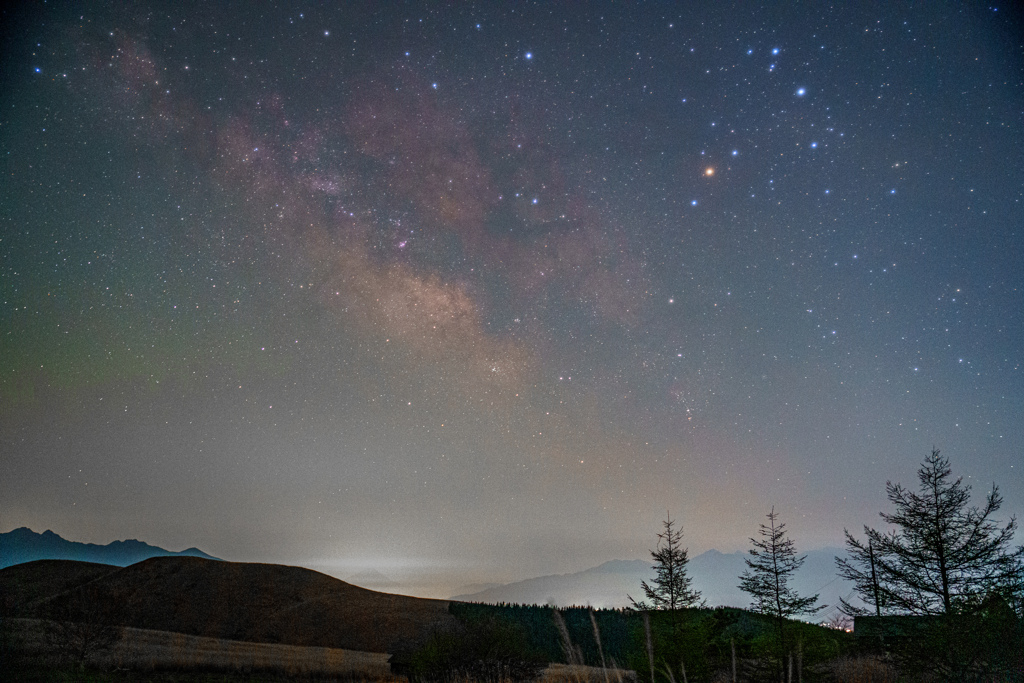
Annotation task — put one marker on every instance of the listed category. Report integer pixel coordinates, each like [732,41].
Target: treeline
[495,642]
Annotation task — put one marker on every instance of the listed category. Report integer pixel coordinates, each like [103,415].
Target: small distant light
[529,55]
[693,203]
[735,152]
[750,52]
[535,200]
[800,92]
[814,145]
[38,70]
[892,191]
[775,50]
[709,171]
[327,33]
[434,86]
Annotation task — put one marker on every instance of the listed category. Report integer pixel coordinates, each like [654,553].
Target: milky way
[477,294]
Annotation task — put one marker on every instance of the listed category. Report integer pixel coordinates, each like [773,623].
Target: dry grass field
[146,650]
[577,673]
[142,649]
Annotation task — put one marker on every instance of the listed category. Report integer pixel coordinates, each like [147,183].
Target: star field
[477,293]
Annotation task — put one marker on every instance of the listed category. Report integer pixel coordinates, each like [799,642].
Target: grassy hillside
[252,602]
[24,585]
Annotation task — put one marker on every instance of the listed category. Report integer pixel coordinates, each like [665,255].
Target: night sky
[465,294]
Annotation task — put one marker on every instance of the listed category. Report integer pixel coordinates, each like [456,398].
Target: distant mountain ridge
[715,575]
[24,545]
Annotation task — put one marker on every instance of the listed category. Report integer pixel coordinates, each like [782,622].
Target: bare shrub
[82,630]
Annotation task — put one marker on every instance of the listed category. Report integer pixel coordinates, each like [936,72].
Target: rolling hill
[261,603]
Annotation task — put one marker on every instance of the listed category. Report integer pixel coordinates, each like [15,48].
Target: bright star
[775,50]
[801,92]
[529,55]
[735,152]
[709,171]
[693,203]
[814,145]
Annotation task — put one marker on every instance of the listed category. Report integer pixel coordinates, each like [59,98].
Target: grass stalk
[650,643]
[600,650]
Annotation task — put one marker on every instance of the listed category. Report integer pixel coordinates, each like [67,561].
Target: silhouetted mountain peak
[24,545]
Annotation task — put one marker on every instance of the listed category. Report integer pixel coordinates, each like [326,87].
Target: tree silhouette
[773,564]
[671,587]
[82,626]
[942,557]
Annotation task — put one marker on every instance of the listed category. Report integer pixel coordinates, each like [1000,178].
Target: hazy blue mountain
[715,575]
[25,545]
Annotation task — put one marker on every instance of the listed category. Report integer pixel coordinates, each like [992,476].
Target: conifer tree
[773,563]
[671,587]
[942,556]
